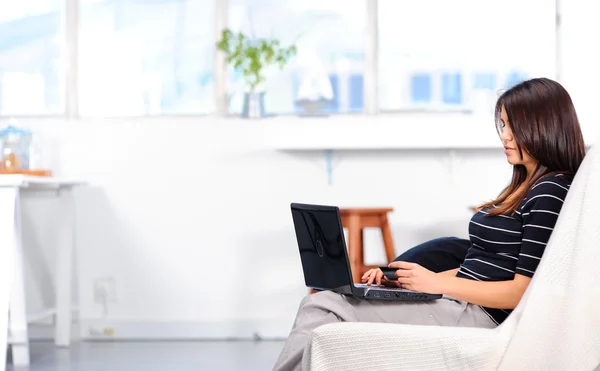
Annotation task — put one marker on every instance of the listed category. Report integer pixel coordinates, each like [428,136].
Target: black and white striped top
[503,245]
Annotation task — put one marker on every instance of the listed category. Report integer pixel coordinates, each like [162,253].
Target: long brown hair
[545,125]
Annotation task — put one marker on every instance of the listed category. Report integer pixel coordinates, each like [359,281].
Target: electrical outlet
[102,331]
[109,331]
[105,290]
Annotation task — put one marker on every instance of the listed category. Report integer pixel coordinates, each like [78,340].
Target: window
[146,57]
[329,36]
[456,55]
[30,61]
[156,57]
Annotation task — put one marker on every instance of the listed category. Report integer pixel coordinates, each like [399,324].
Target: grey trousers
[329,307]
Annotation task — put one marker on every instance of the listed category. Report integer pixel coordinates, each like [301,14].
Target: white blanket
[556,326]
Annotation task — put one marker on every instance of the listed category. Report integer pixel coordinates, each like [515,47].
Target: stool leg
[388,241]
[355,247]
[360,251]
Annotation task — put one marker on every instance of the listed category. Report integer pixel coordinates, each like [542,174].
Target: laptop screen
[322,246]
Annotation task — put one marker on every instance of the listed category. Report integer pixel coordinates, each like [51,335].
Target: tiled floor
[155,356]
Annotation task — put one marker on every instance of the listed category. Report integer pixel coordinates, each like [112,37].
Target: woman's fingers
[404,281]
[404,273]
[378,274]
[402,265]
[372,275]
[371,278]
[367,275]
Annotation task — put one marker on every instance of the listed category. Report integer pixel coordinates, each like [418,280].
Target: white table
[12,291]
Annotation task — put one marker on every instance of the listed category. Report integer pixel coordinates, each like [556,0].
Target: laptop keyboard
[375,287]
[394,293]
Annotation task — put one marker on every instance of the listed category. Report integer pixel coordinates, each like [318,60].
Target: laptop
[324,256]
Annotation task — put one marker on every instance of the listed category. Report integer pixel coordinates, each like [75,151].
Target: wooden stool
[356,220]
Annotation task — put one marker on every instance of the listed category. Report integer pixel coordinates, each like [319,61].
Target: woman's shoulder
[553,181]
[556,185]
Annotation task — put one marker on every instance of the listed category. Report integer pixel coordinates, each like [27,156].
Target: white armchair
[556,326]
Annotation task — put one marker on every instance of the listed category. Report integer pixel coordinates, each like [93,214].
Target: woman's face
[510,145]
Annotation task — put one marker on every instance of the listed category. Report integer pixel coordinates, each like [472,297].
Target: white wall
[580,60]
[191,217]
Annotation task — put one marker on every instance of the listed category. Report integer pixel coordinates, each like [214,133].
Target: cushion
[438,255]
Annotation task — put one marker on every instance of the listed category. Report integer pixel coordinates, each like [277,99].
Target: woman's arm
[449,273]
[500,294]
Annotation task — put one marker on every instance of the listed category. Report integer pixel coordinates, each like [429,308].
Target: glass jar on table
[14,149]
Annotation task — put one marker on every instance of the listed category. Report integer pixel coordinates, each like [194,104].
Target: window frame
[220,73]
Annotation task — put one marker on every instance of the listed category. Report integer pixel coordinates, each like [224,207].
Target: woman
[542,139]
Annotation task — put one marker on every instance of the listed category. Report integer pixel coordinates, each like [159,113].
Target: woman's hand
[372,275]
[376,275]
[412,276]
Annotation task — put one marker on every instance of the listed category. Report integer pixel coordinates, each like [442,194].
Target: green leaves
[253,56]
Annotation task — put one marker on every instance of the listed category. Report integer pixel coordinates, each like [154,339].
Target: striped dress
[504,245]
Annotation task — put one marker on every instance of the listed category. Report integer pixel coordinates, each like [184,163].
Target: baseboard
[45,332]
[95,329]
[252,329]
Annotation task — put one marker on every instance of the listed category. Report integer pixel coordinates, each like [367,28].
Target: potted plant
[252,57]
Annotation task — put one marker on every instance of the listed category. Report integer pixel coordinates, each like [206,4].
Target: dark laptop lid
[322,246]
